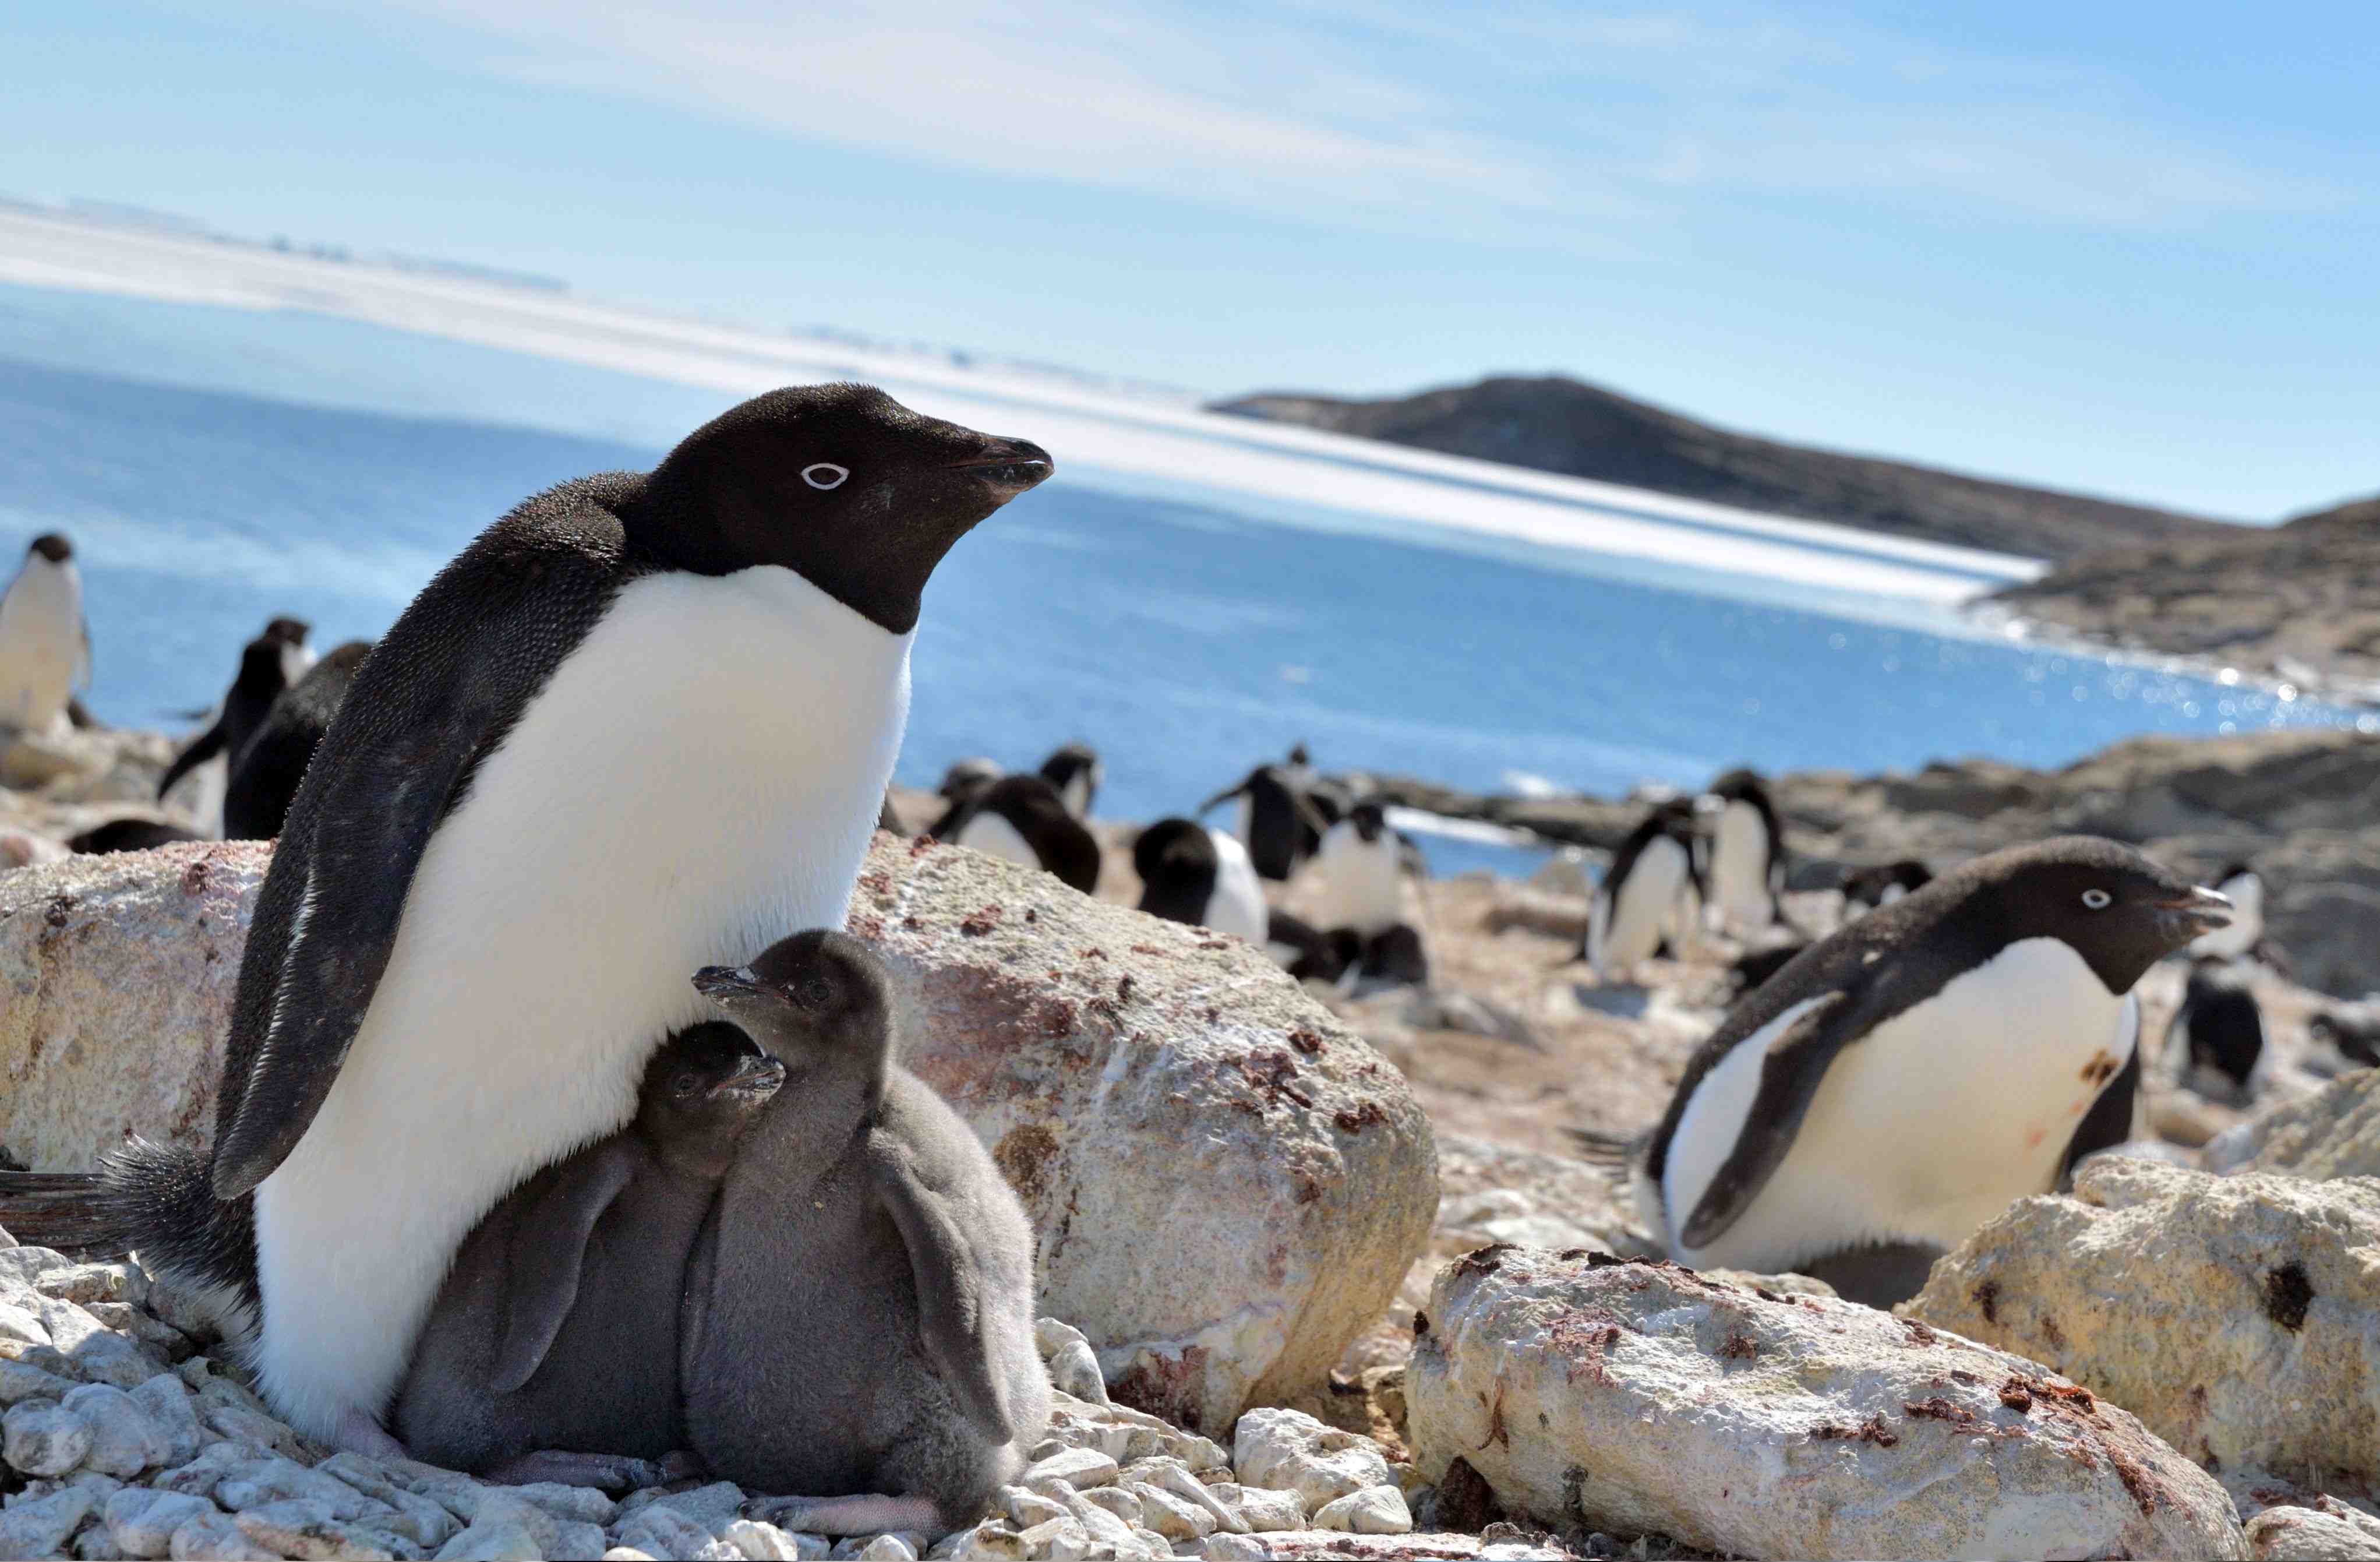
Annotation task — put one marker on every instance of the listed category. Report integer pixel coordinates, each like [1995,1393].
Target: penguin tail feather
[56,1209]
[145,1198]
[1610,1153]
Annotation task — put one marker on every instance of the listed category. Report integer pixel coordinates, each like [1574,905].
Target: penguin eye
[825,474]
[685,1084]
[2097,899]
[814,992]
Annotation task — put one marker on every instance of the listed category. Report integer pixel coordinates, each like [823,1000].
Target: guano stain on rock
[2288,1294]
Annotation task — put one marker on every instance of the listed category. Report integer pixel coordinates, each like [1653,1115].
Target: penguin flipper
[549,1254]
[953,1320]
[204,746]
[1790,1076]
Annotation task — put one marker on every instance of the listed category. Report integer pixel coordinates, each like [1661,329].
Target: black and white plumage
[1276,820]
[1865,889]
[859,1319]
[271,765]
[1190,873]
[1916,1070]
[1077,772]
[1647,894]
[549,1354]
[642,723]
[1359,874]
[1746,872]
[1023,819]
[272,661]
[2219,1029]
[44,642]
[2245,888]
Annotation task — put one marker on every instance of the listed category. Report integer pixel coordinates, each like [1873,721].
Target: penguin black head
[2121,912]
[1369,821]
[966,777]
[54,546]
[1297,754]
[1884,884]
[288,632]
[819,997]
[704,1087]
[1173,848]
[1075,771]
[840,483]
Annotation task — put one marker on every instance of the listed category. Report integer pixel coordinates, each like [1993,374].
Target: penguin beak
[723,982]
[2202,911]
[1010,466]
[758,1075]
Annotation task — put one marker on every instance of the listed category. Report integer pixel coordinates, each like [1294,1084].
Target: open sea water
[216,467]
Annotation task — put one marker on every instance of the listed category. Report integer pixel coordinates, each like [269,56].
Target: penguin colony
[450,1224]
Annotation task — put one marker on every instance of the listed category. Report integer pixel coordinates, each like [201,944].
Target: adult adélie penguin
[1648,893]
[1746,869]
[643,723]
[1915,1072]
[44,642]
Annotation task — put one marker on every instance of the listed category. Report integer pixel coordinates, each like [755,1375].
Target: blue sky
[2122,247]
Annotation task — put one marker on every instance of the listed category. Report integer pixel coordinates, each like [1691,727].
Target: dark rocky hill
[1562,425]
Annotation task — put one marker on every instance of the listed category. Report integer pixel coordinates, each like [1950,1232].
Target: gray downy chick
[551,1352]
[859,1329]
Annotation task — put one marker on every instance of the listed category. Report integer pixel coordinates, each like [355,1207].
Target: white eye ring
[825,474]
[2097,899]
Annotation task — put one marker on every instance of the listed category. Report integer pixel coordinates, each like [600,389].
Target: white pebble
[303,1526]
[124,1440]
[1234,1548]
[583,1504]
[500,1540]
[1291,1451]
[758,1542]
[39,1527]
[577,1538]
[168,1403]
[212,1537]
[1071,1467]
[39,1437]
[1171,1515]
[1374,1510]
[21,1380]
[1075,1369]
[1260,1509]
[1049,1336]
[141,1521]
[1179,1482]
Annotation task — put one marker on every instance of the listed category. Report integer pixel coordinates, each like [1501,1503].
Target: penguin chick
[859,1317]
[552,1351]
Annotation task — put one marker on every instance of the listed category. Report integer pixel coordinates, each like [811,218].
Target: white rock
[1640,1399]
[1257,1509]
[758,1542]
[21,1323]
[1071,1467]
[575,1538]
[711,1507]
[279,1480]
[143,1521]
[1171,1515]
[664,1532]
[124,1439]
[1075,1370]
[40,1526]
[2290,1534]
[171,1408]
[627,1553]
[302,1526]
[991,1541]
[1187,1488]
[39,1437]
[1374,1510]
[888,1548]
[500,1540]
[583,1504]
[1025,1508]
[20,1381]
[1291,1451]
[1234,1548]
[1115,1500]
[212,1537]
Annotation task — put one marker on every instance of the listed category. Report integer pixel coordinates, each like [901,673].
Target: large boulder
[2238,1316]
[1593,1394]
[2333,1133]
[1227,1184]
[116,985]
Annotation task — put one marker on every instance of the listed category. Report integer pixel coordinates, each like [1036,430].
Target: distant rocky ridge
[2299,602]
[1558,425]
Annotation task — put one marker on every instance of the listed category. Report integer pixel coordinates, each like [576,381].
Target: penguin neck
[787,1150]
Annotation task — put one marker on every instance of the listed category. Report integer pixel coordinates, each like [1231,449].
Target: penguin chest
[1237,905]
[1739,869]
[994,835]
[41,644]
[1925,1127]
[1628,917]
[1360,887]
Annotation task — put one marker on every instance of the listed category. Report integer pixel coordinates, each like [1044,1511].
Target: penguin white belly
[1626,925]
[1077,795]
[2247,924]
[1929,1126]
[1360,887]
[1739,869]
[995,837]
[41,644]
[1237,905]
[696,779]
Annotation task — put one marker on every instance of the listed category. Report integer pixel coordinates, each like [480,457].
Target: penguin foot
[613,1473]
[869,1515]
[359,1433]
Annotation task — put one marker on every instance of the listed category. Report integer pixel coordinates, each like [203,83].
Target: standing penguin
[2219,1029]
[1022,819]
[2245,889]
[1637,904]
[549,1354]
[859,1316]
[1865,889]
[1361,873]
[274,661]
[44,643]
[642,722]
[1747,853]
[1918,1069]
[270,766]
[1190,873]
[1077,772]
[1276,820]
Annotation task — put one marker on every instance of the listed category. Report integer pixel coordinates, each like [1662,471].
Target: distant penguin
[1918,1069]
[1756,966]
[2353,1029]
[639,723]
[859,1316]
[1306,951]
[272,764]
[270,663]
[1747,853]
[129,834]
[1360,874]
[2245,888]
[549,1355]
[2219,1028]
[1637,903]
[1328,799]
[1075,771]
[1190,873]
[44,643]
[1022,819]
[1274,820]
[1395,956]
[1865,889]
